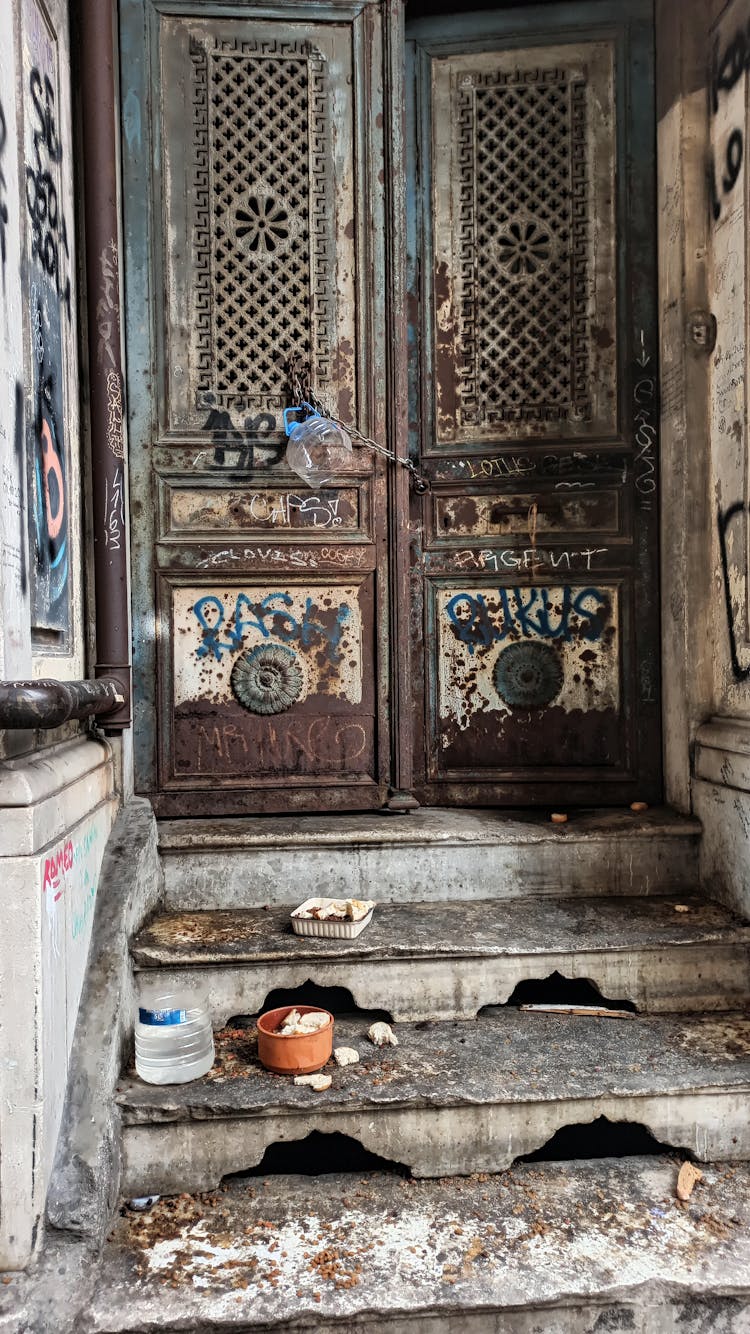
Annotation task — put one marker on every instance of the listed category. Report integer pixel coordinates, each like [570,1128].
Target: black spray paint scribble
[49,233]
[727,68]
[235,448]
[725,519]
[728,173]
[3,189]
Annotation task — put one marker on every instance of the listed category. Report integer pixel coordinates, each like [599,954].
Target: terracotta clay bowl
[293,1055]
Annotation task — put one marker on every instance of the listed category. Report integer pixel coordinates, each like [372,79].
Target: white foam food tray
[331,929]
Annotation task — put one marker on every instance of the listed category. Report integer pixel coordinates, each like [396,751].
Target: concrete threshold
[565,1248]
[448,960]
[452,1098]
[431,854]
[427,825]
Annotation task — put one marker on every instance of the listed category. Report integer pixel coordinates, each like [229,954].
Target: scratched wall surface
[68,883]
[729,93]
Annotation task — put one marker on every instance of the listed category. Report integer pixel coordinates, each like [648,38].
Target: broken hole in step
[337,1000]
[559,990]
[318,1154]
[599,1139]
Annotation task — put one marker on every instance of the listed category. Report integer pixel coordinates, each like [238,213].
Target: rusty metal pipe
[27,704]
[106,388]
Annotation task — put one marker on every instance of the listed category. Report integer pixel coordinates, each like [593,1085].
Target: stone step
[431,854]
[564,1248]
[447,960]
[452,1098]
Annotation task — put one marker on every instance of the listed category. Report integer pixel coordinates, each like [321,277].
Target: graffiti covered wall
[721,786]
[47,169]
[68,881]
[57,798]
[728,181]
[40,518]
[15,647]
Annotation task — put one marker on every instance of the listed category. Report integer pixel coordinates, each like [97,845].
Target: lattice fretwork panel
[524,251]
[260,236]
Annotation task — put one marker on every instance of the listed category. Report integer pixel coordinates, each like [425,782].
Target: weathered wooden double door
[495,638]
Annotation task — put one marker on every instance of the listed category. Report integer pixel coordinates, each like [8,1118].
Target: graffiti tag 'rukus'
[583,613]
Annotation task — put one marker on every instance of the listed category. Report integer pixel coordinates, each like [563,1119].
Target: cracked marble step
[420,960]
[432,854]
[452,1098]
[568,1248]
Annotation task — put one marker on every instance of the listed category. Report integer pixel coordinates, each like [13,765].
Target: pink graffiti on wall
[55,868]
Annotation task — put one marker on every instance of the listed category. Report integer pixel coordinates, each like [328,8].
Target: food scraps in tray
[335,910]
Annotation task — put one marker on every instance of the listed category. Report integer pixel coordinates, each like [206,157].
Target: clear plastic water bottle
[317,447]
[174,1041]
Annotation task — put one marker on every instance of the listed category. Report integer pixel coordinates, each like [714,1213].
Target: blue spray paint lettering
[268,619]
[581,613]
[210,632]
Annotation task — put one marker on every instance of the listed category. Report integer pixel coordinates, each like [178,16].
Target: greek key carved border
[321,249]
[471,411]
[202,222]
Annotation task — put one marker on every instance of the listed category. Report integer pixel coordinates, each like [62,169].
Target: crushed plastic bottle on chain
[317,447]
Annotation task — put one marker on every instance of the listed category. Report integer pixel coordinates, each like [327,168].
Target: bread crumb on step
[686,1180]
[318,1082]
[345,1055]
[382,1035]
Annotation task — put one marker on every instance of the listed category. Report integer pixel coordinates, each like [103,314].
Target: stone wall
[57,789]
[721,789]
[703,90]
[57,809]
[40,438]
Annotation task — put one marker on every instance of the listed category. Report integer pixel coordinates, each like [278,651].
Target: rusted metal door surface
[253,169]
[534,406]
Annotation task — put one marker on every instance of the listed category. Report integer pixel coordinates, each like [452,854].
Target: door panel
[254,144]
[533,406]
[523,244]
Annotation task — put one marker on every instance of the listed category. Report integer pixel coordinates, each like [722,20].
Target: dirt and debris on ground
[477,928]
[262,1249]
[502,1057]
